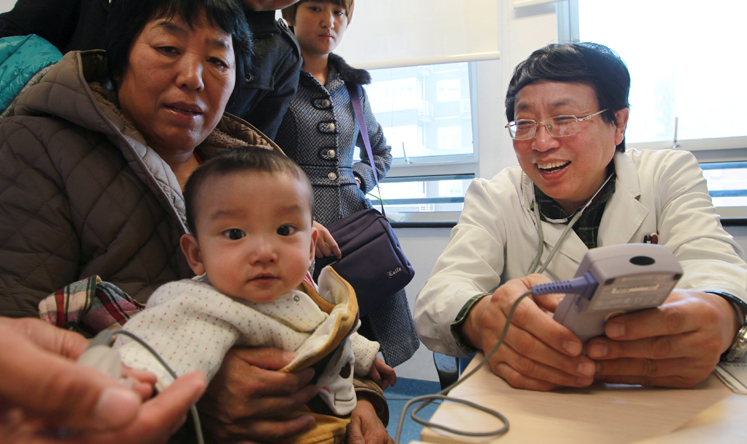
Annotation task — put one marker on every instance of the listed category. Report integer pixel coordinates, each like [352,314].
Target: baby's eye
[286,230]
[234,234]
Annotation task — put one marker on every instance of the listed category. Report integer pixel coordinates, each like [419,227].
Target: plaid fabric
[88,306]
[587,227]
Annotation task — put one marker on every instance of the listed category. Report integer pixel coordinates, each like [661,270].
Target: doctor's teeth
[549,166]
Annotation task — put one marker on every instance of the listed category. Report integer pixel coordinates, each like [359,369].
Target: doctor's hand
[249,399]
[675,345]
[325,243]
[538,353]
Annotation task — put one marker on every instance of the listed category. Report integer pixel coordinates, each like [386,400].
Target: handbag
[372,259]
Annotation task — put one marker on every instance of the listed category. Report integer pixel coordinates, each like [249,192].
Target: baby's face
[254,234]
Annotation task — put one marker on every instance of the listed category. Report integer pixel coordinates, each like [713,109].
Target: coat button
[321,103]
[327,127]
[332,176]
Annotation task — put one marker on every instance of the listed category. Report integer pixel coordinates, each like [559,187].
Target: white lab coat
[496,239]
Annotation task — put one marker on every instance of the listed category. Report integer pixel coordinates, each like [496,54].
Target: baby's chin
[261,294]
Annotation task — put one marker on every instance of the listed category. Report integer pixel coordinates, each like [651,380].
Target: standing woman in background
[320,133]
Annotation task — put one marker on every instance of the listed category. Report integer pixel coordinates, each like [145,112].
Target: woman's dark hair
[239,160]
[589,63]
[127,18]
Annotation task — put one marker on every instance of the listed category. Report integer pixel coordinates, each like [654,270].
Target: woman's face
[568,169]
[319,27]
[177,83]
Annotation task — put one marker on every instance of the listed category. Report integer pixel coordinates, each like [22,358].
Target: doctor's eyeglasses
[558,126]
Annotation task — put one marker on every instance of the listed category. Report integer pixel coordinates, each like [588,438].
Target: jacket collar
[624,213]
[347,72]
[262,23]
[614,228]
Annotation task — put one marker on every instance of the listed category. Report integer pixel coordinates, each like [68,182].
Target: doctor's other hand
[325,243]
[249,399]
[538,353]
[677,344]
[44,390]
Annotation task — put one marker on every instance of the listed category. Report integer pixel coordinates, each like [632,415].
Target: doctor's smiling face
[568,169]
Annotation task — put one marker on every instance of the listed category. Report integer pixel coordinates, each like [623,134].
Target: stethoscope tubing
[535,266]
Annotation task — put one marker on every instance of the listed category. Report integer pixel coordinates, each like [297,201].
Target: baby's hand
[382,374]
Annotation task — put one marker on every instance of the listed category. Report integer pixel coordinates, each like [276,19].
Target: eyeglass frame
[547,125]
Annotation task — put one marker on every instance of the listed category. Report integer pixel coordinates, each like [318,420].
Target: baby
[249,211]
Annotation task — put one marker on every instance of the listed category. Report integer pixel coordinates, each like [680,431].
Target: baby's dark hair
[243,159]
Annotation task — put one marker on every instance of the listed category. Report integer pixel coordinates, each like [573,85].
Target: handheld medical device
[611,281]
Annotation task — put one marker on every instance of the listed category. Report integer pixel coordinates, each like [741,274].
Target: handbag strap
[358,109]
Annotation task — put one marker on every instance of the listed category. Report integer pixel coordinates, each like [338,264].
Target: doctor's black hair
[127,19]
[240,160]
[588,63]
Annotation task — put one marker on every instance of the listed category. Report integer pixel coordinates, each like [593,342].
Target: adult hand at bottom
[249,399]
[365,426]
[44,390]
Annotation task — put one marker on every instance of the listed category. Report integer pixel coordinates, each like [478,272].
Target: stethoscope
[536,267]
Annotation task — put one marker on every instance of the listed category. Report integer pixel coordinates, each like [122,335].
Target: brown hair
[237,160]
[289,13]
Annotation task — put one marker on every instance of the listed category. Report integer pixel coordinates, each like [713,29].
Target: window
[686,81]
[685,73]
[394,95]
[423,199]
[726,185]
[426,113]
[448,90]
[449,139]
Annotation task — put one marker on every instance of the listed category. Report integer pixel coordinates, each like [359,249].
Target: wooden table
[708,413]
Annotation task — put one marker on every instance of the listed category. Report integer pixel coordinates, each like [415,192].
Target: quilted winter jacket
[81,193]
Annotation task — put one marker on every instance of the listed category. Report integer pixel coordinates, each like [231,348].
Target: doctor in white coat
[568,108]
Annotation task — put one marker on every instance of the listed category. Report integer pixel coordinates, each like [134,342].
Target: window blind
[394,33]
